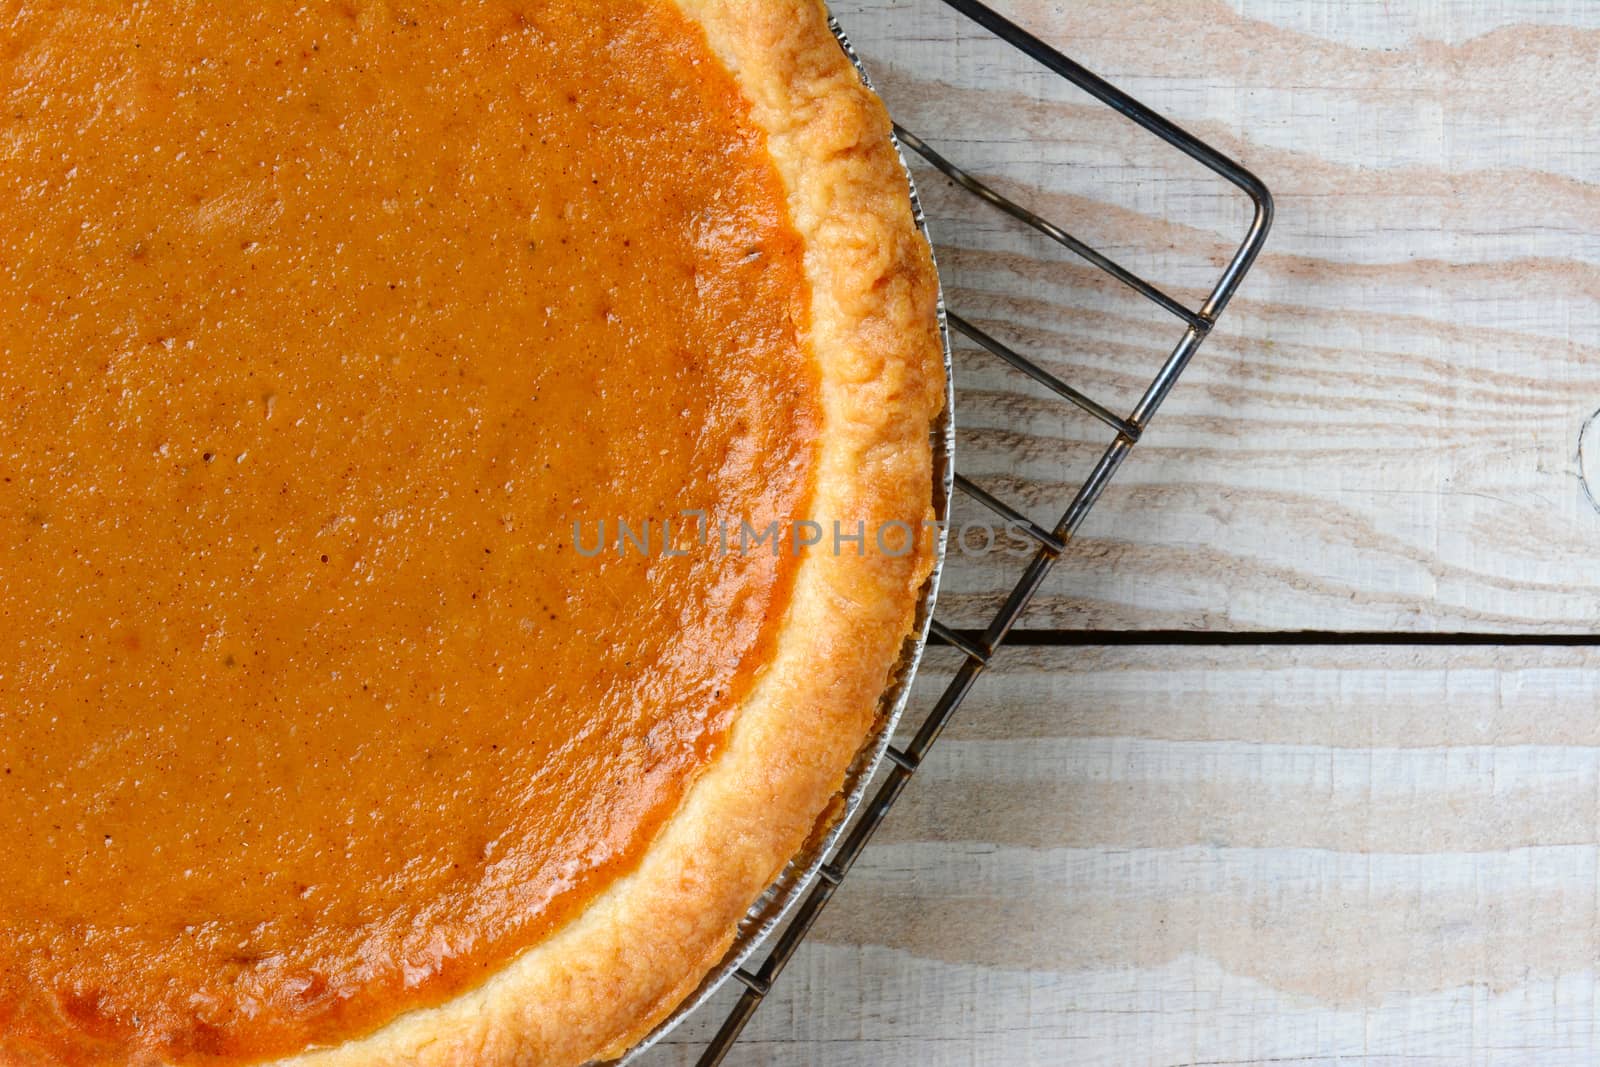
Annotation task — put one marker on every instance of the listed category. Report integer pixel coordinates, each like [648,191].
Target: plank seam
[1080,638]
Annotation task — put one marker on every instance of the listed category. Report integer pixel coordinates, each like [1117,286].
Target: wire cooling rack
[978,647]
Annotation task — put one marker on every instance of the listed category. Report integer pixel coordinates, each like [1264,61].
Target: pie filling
[329,337]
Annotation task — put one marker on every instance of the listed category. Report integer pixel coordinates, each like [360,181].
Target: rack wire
[977,648]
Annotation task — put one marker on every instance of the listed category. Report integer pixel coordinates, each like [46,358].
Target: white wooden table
[1171,827]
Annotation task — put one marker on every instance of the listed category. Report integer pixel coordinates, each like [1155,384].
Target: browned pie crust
[623,964]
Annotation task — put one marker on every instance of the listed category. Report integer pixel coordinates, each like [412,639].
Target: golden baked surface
[338,339]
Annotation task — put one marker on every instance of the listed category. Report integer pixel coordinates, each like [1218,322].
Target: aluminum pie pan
[768,912]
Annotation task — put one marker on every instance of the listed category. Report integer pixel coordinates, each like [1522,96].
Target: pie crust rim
[611,974]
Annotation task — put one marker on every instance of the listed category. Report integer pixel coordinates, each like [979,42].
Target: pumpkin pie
[463,475]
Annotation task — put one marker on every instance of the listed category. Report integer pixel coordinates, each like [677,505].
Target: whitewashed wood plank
[1118,1018]
[1384,434]
[1187,855]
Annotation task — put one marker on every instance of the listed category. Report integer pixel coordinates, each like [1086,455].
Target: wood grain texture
[1201,855]
[1385,432]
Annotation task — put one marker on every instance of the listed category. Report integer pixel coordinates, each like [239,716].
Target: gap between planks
[1080,638]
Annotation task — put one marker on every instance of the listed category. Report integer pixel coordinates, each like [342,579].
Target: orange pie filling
[320,328]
